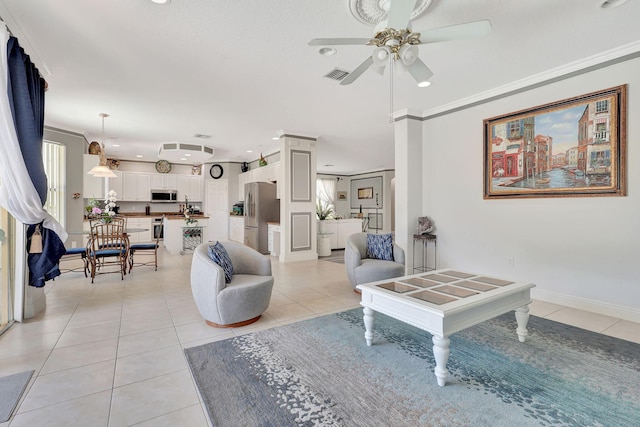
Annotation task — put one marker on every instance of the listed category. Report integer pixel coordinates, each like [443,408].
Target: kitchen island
[178,235]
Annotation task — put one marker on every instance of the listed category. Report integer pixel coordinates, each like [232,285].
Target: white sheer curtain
[17,193]
[326,191]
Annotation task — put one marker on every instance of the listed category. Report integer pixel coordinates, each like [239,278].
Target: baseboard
[593,306]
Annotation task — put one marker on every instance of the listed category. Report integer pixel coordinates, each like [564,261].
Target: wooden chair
[74,254]
[108,245]
[146,250]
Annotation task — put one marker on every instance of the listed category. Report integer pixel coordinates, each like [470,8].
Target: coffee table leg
[441,354]
[368,325]
[522,317]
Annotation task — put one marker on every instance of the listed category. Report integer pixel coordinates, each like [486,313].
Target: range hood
[187,153]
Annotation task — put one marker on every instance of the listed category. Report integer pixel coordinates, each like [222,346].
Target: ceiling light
[275,138]
[161,1]
[139,156]
[327,51]
[102,170]
[188,155]
[249,151]
[115,145]
[183,159]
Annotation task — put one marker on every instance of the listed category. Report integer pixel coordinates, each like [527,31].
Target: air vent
[176,151]
[202,136]
[337,74]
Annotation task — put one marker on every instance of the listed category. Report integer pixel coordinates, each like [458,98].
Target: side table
[424,239]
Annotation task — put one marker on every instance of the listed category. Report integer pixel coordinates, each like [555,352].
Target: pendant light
[102,170]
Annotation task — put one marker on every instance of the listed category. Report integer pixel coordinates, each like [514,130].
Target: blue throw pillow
[220,256]
[380,246]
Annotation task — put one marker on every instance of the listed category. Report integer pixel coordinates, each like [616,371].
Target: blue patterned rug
[320,372]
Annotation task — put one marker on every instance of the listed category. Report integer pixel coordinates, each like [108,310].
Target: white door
[217,209]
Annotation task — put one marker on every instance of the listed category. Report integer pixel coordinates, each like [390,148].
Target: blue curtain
[26,98]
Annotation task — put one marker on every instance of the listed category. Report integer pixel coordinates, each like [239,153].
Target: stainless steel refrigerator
[260,207]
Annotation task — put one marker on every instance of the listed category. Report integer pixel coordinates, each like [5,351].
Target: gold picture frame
[575,147]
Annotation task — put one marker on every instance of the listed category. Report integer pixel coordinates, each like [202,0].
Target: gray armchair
[239,303]
[361,269]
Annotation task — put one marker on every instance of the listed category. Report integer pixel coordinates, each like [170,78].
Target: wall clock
[163,166]
[216,171]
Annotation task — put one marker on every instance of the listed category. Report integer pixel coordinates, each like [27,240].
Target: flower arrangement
[94,209]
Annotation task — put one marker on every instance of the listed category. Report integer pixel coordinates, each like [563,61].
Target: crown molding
[614,56]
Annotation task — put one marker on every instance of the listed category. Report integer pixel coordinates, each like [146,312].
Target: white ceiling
[241,70]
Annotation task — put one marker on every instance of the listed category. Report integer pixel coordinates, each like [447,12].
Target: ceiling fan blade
[420,72]
[456,32]
[400,13]
[338,41]
[356,73]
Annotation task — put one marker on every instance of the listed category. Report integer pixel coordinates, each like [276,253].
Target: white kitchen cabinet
[140,224]
[135,186]
[269,173]
[195,188]
[161,181]
[339,229]
[236,228]
[183,187]
[116,185]
[347,227]
[92,186]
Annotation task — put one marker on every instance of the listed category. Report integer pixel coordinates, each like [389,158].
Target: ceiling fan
[398,43]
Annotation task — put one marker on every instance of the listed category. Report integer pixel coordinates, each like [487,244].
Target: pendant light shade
[101,170]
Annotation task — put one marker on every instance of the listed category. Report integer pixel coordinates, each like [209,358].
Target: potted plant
[323,211]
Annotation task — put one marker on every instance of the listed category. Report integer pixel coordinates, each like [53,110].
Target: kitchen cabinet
[162,181]
[116,185]
[92,186]
[141,224]
[135,186]
[236,228]
[269,173]
[190,186]
[339,229]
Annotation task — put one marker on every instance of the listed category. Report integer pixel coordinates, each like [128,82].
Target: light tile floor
[111,353]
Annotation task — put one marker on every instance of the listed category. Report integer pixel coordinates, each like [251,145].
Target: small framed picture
[342,195]
[365,193]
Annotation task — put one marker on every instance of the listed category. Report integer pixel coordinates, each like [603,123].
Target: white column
[298,229]
[408,181]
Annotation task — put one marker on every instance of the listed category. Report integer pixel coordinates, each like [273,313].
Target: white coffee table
[443,302]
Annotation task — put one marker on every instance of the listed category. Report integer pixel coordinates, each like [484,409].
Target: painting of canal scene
[574,147]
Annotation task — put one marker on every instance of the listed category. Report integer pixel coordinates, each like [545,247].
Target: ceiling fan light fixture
[380,56]
[101,170]
[408,53]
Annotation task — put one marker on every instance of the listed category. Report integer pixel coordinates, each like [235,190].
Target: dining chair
[108,245]
[74,254]
[146,250]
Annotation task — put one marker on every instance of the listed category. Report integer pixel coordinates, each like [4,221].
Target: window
[602,106]
[53,157]
[326,193]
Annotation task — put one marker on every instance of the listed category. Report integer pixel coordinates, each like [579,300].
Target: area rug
[320,372]
[336,256]
[11,389]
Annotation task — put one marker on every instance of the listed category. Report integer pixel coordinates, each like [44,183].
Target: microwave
[164,196]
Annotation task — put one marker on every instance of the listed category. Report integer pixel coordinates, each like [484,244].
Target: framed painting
[574,147]
[342,195]
[365,193]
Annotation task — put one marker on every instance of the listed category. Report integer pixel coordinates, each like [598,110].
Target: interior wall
[579,251]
